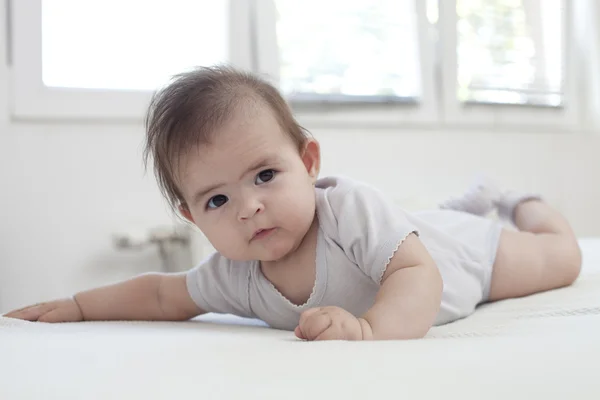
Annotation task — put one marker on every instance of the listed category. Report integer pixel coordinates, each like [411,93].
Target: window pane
[510,51]
[132,44]
[349,47]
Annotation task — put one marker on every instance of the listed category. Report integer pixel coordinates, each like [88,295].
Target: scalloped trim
[389,259]
[288,302]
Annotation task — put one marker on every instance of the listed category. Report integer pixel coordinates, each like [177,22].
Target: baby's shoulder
[346,201]
[338,190]
[339,185]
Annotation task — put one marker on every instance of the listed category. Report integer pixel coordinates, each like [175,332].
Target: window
[510,52]
[349,49]
[504,62]
[103,58]
[136,53]
[349,62]
[340,62]
[499,62]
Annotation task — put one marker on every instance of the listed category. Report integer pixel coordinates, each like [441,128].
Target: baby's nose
[250,209]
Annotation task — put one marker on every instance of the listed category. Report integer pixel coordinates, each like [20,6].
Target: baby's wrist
[367,331]
[74,298]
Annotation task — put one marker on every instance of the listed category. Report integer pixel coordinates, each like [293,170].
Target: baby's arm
[405,307]
[146,297]
[409,298]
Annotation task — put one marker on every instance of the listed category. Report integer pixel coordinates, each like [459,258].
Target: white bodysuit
[359,232]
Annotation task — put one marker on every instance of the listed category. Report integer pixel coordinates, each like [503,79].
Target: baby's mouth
[262,233]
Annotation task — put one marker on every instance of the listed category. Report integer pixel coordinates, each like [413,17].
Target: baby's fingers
[56,315]
[308,313]
[31,313]
[315,325]
[331,333]
[298,333]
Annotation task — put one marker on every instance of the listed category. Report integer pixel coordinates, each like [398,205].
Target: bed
[545,346]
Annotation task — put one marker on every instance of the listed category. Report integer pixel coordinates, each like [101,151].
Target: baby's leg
[543,255]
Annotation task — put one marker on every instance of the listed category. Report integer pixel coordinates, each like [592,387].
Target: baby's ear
[311,157]
[185,212]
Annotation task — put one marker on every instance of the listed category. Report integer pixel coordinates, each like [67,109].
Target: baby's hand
[64,310]
[329,323]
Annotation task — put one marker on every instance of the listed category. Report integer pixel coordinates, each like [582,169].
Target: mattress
[545,346]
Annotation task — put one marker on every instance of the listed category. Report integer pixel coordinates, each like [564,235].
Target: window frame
[488,115]
[30,99]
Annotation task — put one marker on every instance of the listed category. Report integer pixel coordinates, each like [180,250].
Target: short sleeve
[369,229]
[220,285]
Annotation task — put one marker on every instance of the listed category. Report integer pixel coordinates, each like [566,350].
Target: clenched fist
[331,323]
[64,310]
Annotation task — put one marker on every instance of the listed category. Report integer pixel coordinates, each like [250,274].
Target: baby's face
[250,191]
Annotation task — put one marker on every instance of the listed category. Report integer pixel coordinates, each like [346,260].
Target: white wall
[432,165]
[66,187]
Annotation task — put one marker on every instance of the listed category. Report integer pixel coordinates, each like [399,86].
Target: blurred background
[416,97]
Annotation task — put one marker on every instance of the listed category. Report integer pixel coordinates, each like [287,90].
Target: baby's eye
[217,201]
[264,176]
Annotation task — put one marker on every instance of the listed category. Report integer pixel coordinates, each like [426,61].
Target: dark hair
[188,111]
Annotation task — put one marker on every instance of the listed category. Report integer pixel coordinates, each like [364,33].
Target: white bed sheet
[545,346]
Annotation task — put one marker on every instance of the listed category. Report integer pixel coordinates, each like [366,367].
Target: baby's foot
[508,202]
[480,199]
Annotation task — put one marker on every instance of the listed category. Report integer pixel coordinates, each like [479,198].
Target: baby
[328,258]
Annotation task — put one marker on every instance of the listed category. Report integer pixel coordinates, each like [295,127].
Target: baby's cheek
[293,214]
[298,200]
[221,239]
[231,249]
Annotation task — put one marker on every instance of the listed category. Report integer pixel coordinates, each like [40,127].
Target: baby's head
[229,155]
